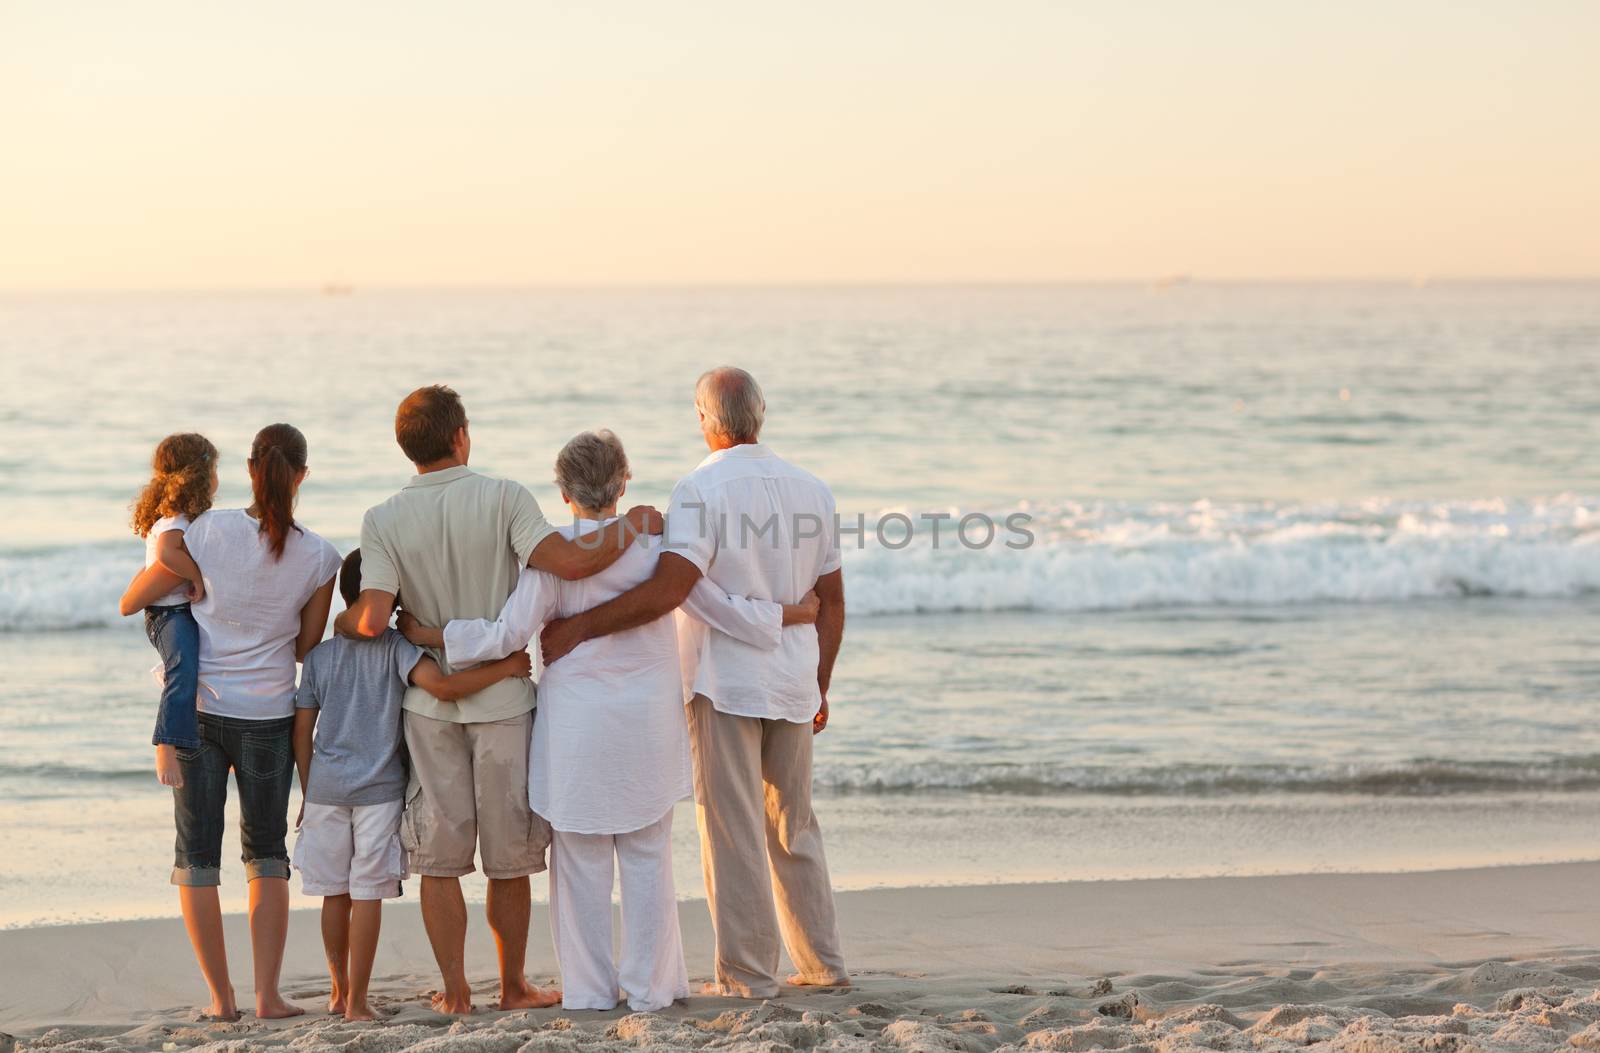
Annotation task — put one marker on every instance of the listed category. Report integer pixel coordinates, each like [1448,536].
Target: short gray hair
[732,402]
[591,469]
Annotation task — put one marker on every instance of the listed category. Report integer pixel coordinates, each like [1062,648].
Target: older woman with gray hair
[610,752]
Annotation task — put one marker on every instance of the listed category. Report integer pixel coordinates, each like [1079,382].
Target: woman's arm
[758,623]
[147,586]
[474,640]
[427,675]
[313,620]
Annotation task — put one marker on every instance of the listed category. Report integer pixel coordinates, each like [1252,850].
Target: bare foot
[720,991]
[168,771]
[359,1011]
[800,981]
[529,996]
[221,1010]
[336,1006]
[273,1007]
[445,1002]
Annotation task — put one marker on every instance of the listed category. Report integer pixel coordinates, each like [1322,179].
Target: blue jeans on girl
[176,637]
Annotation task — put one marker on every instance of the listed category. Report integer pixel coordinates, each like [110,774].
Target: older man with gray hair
[755,526]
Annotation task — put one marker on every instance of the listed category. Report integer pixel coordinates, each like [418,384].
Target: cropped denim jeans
[261,758]
[176,638]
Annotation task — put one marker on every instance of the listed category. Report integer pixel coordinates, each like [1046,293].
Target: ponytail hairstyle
[180,481]
[276,457]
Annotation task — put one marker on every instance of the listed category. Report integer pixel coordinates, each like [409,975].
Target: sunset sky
[224,144]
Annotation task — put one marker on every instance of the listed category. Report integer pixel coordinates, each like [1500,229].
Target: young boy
[353,780]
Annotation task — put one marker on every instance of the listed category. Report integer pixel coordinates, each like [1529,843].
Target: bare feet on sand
[221,1010]
[456,1004]
[274,1007]
[722,991]
[797,980]
[359,1011]
[336,1005]
[168,771]
[529,996]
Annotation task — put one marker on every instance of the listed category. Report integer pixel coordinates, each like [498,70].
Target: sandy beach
[1493,959]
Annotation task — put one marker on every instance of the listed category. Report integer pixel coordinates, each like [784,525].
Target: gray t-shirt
[360,686]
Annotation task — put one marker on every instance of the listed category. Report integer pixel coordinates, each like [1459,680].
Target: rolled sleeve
[831,559]
[378,568]
[528,524]
[305,696]
[691,527]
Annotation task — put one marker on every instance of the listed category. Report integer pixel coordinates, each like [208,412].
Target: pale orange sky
[219,144]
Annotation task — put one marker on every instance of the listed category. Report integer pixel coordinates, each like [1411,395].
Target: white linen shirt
[250,617]
[610,751]
[756,526]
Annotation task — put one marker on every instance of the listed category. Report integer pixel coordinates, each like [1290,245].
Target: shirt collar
[443,475]
[743,450]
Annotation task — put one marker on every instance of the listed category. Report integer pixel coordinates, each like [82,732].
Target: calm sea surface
[1314,580]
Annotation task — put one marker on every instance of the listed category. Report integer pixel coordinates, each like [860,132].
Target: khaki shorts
[469,789]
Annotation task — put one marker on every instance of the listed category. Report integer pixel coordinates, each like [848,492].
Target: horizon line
[334,288]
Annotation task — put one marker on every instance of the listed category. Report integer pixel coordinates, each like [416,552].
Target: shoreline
[1421,953]
[540,900]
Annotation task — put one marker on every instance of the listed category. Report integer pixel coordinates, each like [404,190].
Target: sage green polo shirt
[450,545]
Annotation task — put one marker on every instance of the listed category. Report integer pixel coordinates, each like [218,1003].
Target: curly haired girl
[182,483]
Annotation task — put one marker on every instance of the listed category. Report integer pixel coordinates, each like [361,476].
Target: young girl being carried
[182,483]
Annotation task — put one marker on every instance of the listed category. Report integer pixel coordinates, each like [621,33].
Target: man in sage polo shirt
[452,543]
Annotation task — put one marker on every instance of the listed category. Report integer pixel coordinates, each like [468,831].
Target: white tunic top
[610,750]
[756,526]
[250,617]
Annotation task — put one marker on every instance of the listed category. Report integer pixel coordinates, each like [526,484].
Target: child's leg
[322,855]
[376,867]
[336,948]
[366,919]
[176,638]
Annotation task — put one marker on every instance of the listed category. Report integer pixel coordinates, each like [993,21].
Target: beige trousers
[758,835]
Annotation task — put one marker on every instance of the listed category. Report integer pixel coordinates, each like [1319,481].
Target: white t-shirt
[151,541]
[757,526]
[251,614]
[610,750]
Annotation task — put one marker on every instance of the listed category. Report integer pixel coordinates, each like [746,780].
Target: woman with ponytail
[268,587]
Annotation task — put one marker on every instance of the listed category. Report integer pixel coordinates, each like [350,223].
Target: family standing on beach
[683,653]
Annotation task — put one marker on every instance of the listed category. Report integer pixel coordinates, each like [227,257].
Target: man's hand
[559,638]
[197,590]
[301,818]
[819,723]
[644,519]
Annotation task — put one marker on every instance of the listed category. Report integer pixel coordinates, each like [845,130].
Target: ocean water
[1313,579]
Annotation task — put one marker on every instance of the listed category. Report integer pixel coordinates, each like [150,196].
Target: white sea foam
[1091,557]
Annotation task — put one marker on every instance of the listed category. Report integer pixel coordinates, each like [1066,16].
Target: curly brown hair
[180,481]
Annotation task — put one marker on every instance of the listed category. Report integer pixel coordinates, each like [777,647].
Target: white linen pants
[651,973]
